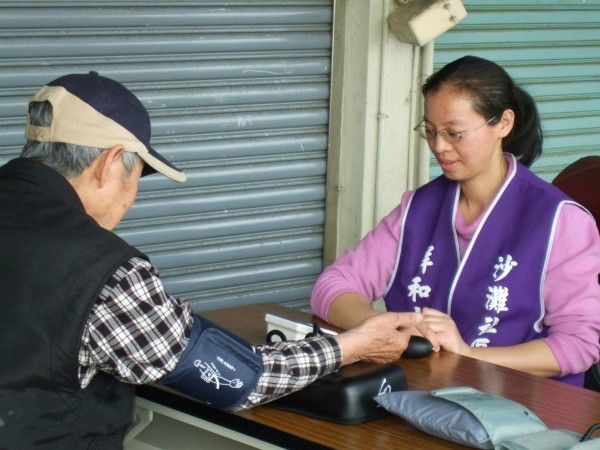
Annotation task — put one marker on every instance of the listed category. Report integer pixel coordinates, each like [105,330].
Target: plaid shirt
[137,332]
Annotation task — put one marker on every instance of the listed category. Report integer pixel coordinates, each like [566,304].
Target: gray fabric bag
[480,420]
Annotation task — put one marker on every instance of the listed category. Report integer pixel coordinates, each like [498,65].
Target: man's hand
[379,339]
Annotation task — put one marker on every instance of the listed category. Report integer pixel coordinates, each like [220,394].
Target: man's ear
[107,162]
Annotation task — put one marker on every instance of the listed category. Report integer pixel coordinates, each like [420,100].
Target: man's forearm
[291,366]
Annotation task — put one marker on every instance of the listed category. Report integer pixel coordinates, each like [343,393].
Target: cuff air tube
[217,367]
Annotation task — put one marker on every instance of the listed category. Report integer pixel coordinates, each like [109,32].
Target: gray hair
[69,160]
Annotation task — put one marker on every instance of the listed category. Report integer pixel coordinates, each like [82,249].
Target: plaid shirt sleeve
[137,332]
[291,366]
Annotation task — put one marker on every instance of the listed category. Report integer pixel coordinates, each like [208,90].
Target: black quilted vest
[54,260]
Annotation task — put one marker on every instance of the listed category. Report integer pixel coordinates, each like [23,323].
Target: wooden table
[559,405]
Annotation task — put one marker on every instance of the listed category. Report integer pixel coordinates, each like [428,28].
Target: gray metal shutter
[552,49]
[238,94]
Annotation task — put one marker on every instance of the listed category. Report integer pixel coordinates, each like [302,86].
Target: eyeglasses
[449,136]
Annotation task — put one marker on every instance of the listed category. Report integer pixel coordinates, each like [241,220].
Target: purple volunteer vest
[494,294]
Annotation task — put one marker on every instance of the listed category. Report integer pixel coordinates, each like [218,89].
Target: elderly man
[84,316]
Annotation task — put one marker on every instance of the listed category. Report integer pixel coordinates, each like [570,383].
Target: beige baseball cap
[95,111]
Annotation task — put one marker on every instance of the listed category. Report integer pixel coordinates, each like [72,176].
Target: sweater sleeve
[572,293]
[367,269]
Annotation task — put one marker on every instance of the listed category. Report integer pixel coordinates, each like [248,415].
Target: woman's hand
[534,356]
[446,331]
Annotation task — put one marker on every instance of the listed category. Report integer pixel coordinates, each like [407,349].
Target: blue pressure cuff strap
[216,368]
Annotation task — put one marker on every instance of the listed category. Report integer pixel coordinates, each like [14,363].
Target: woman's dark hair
[493,91]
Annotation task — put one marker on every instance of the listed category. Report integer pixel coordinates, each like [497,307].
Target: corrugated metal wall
[238,94]
[552,49]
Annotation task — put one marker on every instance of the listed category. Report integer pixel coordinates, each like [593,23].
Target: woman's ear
[108,162]
[506,123]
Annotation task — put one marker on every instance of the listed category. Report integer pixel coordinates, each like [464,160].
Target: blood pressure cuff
[216,368]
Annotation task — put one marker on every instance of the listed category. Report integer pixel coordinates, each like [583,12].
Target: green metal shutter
[238,94]
[552,49]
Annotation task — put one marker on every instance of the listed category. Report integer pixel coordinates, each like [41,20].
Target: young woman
[503,266]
